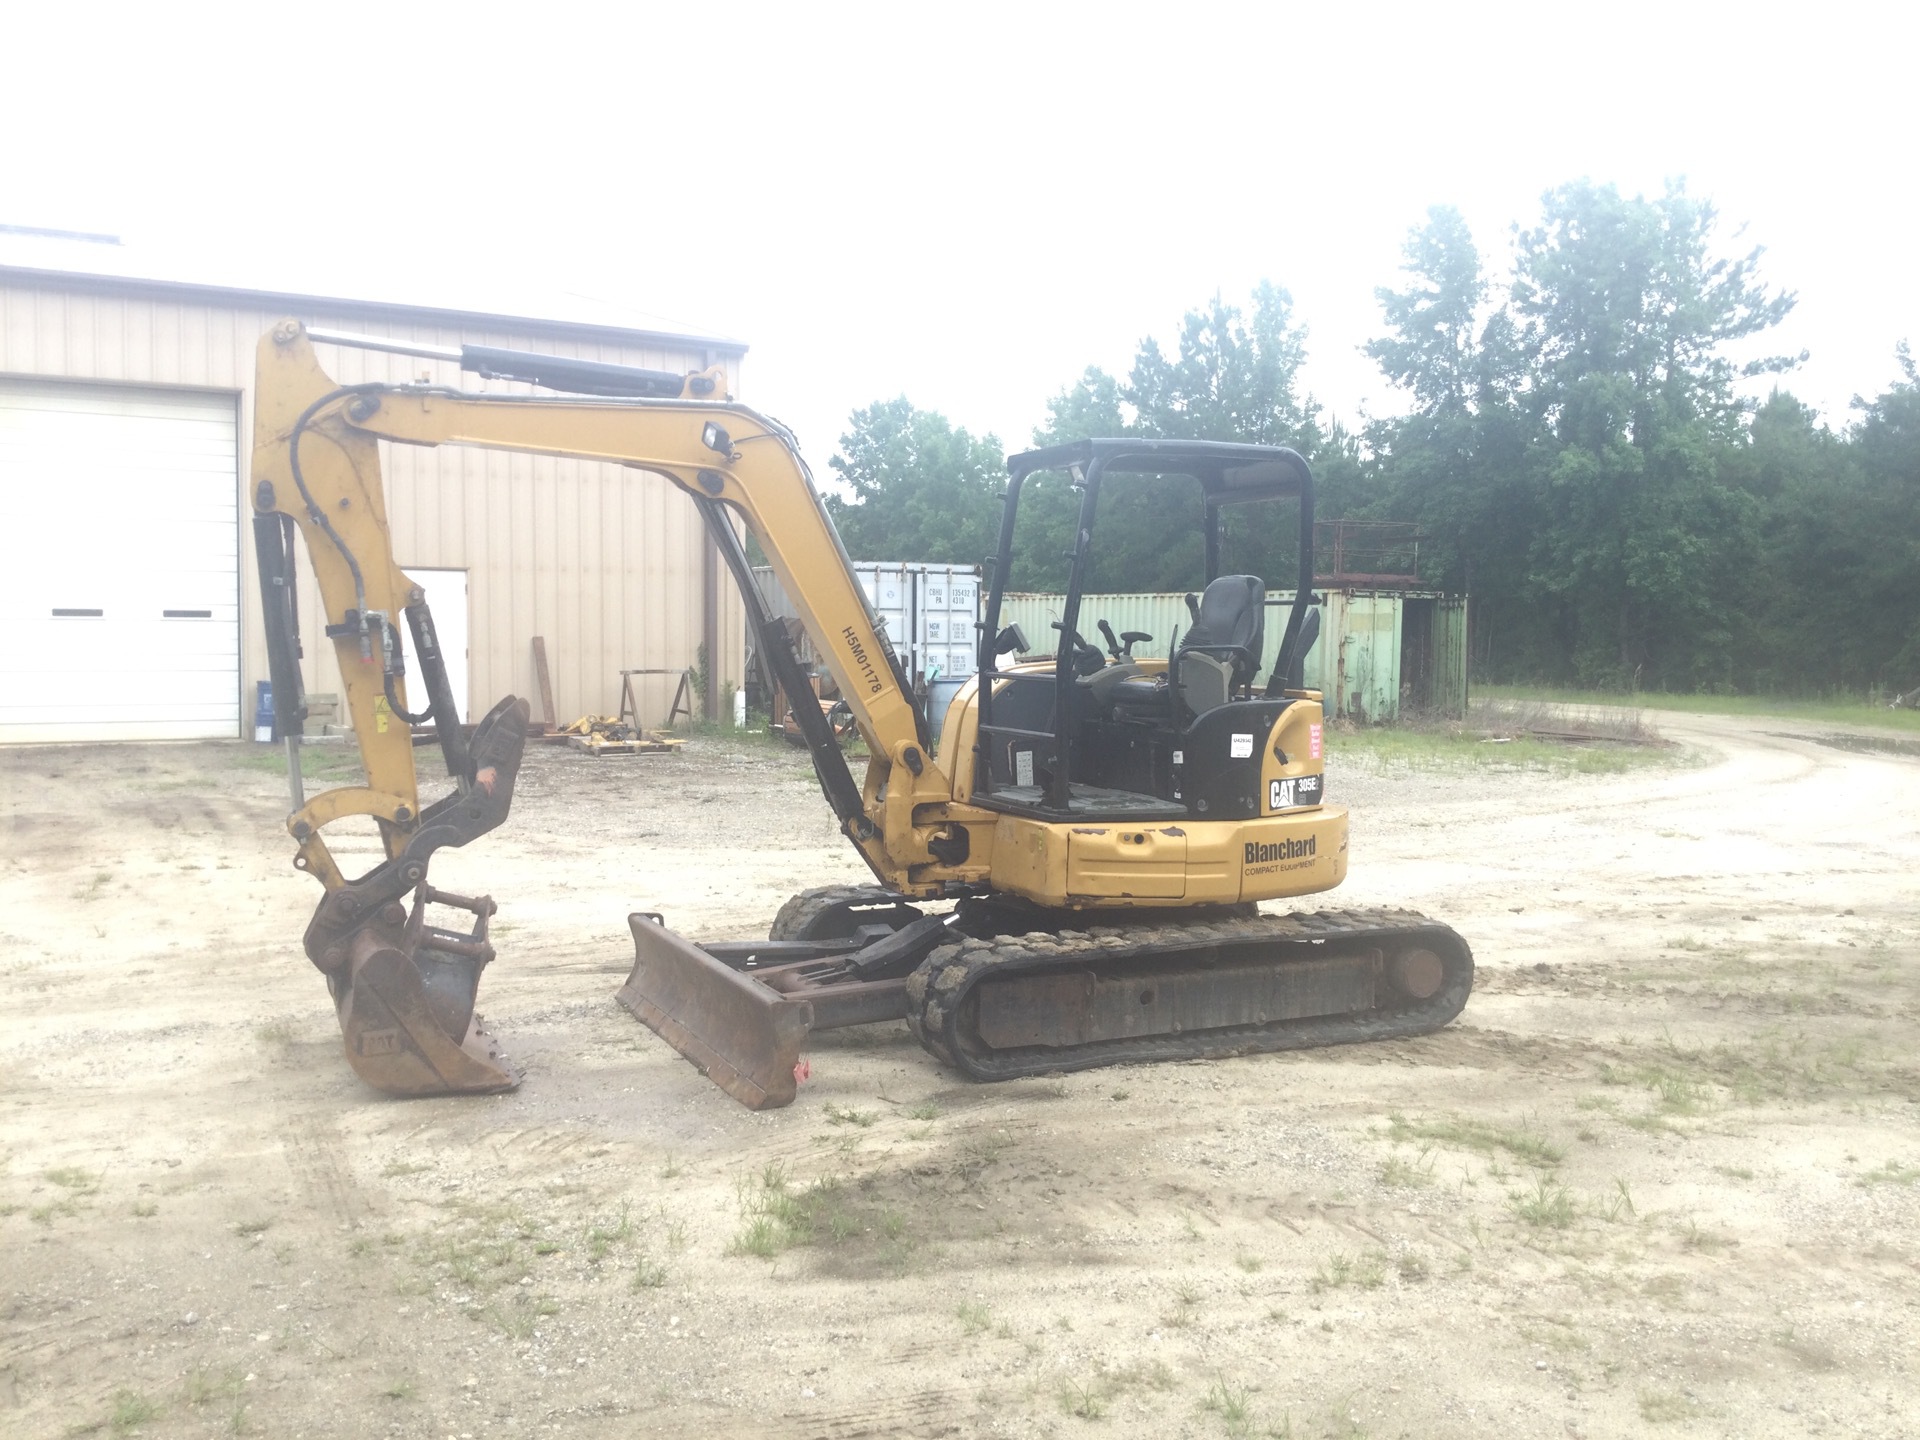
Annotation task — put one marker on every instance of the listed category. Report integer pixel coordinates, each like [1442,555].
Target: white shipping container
[929,612]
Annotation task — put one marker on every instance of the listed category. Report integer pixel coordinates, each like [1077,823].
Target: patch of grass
[1734,1172]
[974,1318]
[1847,710]
[1084,1399]
[1411,1267]
[776,1216]
[928,1111]
[145,1209]
[671,1169]
[1252,1264]
[1363,1272]
[249,1229]
[131,1410]
[648,1274]
[1463,748]
[202,1387]
[1666,1407]
[1233,1404]
[1140,1376]
[275,1034]
[1678,1096]
[1613,1207]
[602,1236]
[1891,1173]
[94,888]
[1186,1299]
[72,1178]
[1777,1065]
[521,1315]
[333,763]
[394,1169]
[398,1389]
[1694,1238]
[1548,1205]
[1399,1173]
[862,1118]
[1462,1134]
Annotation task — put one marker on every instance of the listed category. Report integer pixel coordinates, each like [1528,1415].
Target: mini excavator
[1100,829]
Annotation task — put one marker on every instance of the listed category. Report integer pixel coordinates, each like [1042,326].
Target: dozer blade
[409,1024]
[740,1034]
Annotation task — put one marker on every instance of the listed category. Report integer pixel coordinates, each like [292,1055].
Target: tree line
[1576,450]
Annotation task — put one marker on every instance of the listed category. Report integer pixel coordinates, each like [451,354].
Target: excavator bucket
[404,989]
[406,1006]
[740,1034]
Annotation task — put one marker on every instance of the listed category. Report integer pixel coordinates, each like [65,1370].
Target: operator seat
[1219,655]
[1221,652]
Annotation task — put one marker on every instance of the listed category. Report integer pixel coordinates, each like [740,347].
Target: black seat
[1229,625]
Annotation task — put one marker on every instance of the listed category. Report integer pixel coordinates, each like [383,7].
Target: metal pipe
[296,783]
[348,338]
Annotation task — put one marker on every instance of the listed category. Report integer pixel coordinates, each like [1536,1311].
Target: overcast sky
[967,204]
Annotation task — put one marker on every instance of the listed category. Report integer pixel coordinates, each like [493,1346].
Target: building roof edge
[383,309]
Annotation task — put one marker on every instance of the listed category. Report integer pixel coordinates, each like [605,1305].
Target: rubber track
[937,992]
[801,912]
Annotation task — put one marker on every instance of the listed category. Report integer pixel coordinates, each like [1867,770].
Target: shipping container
[928,610]
[1380,651]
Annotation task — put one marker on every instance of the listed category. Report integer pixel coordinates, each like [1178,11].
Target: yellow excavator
[1071,878]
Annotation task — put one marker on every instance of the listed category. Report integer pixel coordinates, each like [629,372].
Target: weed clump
[1521,1144]
[777,1215]
[1363,1272]
[1548,1205]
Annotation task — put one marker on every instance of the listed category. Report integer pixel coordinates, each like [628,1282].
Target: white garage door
[119,564]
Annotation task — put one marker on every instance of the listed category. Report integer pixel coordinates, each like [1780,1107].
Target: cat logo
[1287,794]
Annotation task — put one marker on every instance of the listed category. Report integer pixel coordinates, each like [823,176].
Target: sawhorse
[682,697]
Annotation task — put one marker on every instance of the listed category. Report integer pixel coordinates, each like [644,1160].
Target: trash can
[263,710]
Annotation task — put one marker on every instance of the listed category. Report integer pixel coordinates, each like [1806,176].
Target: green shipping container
[1380,651]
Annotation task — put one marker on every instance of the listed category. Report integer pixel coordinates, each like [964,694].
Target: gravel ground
[1662,1175]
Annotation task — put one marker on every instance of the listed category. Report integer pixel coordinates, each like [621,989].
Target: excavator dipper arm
[405,990]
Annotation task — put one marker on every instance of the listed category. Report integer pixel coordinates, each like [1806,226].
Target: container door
[1450,655]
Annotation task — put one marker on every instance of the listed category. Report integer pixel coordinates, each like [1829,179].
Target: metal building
[128,602]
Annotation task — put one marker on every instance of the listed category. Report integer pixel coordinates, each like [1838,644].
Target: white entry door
[119,563]
[447,599]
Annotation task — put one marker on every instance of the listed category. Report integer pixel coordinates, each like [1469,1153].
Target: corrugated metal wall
[1356,662]
[605,562]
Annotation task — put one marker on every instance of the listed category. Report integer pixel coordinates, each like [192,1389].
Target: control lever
[1113,644]
[1086,658]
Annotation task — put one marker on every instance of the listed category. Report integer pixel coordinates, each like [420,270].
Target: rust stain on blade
[737,1032]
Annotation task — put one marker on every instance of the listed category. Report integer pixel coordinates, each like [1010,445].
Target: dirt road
[1662,1176]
